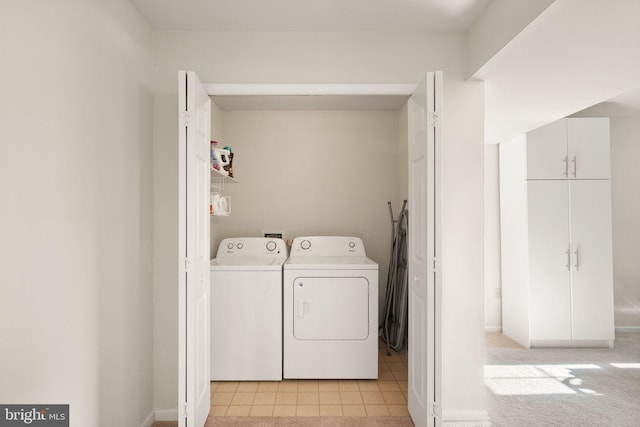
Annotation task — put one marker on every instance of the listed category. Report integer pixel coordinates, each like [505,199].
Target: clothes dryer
[330,310]
[246,309]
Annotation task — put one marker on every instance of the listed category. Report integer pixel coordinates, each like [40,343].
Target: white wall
[463,247]
[312,173]
[625,199]
[492,267]
[75,185]
[359,57]
[498,23]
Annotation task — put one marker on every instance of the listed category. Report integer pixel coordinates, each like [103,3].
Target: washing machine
[330,310]
[246,309]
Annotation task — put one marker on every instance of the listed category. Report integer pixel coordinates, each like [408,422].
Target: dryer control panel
[322,246]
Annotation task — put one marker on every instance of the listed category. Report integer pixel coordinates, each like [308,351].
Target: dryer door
[331,308]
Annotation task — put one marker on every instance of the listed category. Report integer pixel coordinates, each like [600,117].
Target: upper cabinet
[576,148]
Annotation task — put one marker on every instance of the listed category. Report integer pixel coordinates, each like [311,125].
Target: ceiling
[307,15]
[575,55]
[310,15]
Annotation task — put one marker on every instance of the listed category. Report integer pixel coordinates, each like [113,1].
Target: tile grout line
[384,396]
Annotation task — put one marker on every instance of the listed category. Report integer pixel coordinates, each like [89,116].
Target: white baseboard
[466,424]
[627,328]
[465,419]
[149,420]
[493,328]
[166,415]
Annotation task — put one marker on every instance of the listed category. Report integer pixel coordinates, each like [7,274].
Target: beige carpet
[563,387]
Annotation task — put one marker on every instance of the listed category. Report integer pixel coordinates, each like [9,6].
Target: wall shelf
[218,180]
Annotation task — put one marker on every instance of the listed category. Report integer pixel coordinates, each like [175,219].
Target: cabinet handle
[566,166]
[577,253]
[300,308]
[568,252]
[575,167]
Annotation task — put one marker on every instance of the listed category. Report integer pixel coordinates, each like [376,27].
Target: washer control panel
[251,247]
[327,246]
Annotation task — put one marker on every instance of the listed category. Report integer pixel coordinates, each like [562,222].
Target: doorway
[331,158]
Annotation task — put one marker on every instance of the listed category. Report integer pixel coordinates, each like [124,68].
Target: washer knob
[305,244]
[352,244]
[239,246]
[271,245]
[229,245]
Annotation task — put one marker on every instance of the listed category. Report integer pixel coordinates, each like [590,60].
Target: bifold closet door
[549,263]
[592,265]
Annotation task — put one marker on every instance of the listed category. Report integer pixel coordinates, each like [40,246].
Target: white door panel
[193,286]
[547,152]
[588,148]
[424,249]
[331,308]
[550,277]
[592,268]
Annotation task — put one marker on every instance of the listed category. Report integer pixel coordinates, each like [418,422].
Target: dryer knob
[239,246]
[352,244]
[229,245]
[271,245]
[305,244]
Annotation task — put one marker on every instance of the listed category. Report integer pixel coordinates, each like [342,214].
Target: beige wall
[76,190]
[312,173]
[403,156]
[349,57]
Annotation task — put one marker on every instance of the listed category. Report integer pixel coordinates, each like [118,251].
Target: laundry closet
[313,165]
[306,168]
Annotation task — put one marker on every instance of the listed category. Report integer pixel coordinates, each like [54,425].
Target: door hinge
[185,116]
[187,265]
[433,264]
[186,410]
[435,119]
[435,411]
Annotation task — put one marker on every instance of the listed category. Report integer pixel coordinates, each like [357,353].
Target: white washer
[246,309]
[330,310]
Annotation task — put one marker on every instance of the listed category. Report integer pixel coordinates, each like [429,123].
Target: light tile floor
[386,396]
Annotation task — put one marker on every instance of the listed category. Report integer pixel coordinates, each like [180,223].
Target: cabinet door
[549,275]
[588,148]
[547,151]
[592,271]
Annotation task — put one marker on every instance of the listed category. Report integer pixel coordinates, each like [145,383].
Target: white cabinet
[576,148]
[570,266]
[557,274]
[591,260]
[549,273]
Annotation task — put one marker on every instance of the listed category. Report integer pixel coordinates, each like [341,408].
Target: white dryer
[330,310]
[246,309]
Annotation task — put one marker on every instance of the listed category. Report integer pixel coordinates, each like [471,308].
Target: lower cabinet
[570,261]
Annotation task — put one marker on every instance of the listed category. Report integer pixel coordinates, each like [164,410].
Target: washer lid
[252,247]
[247,264]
